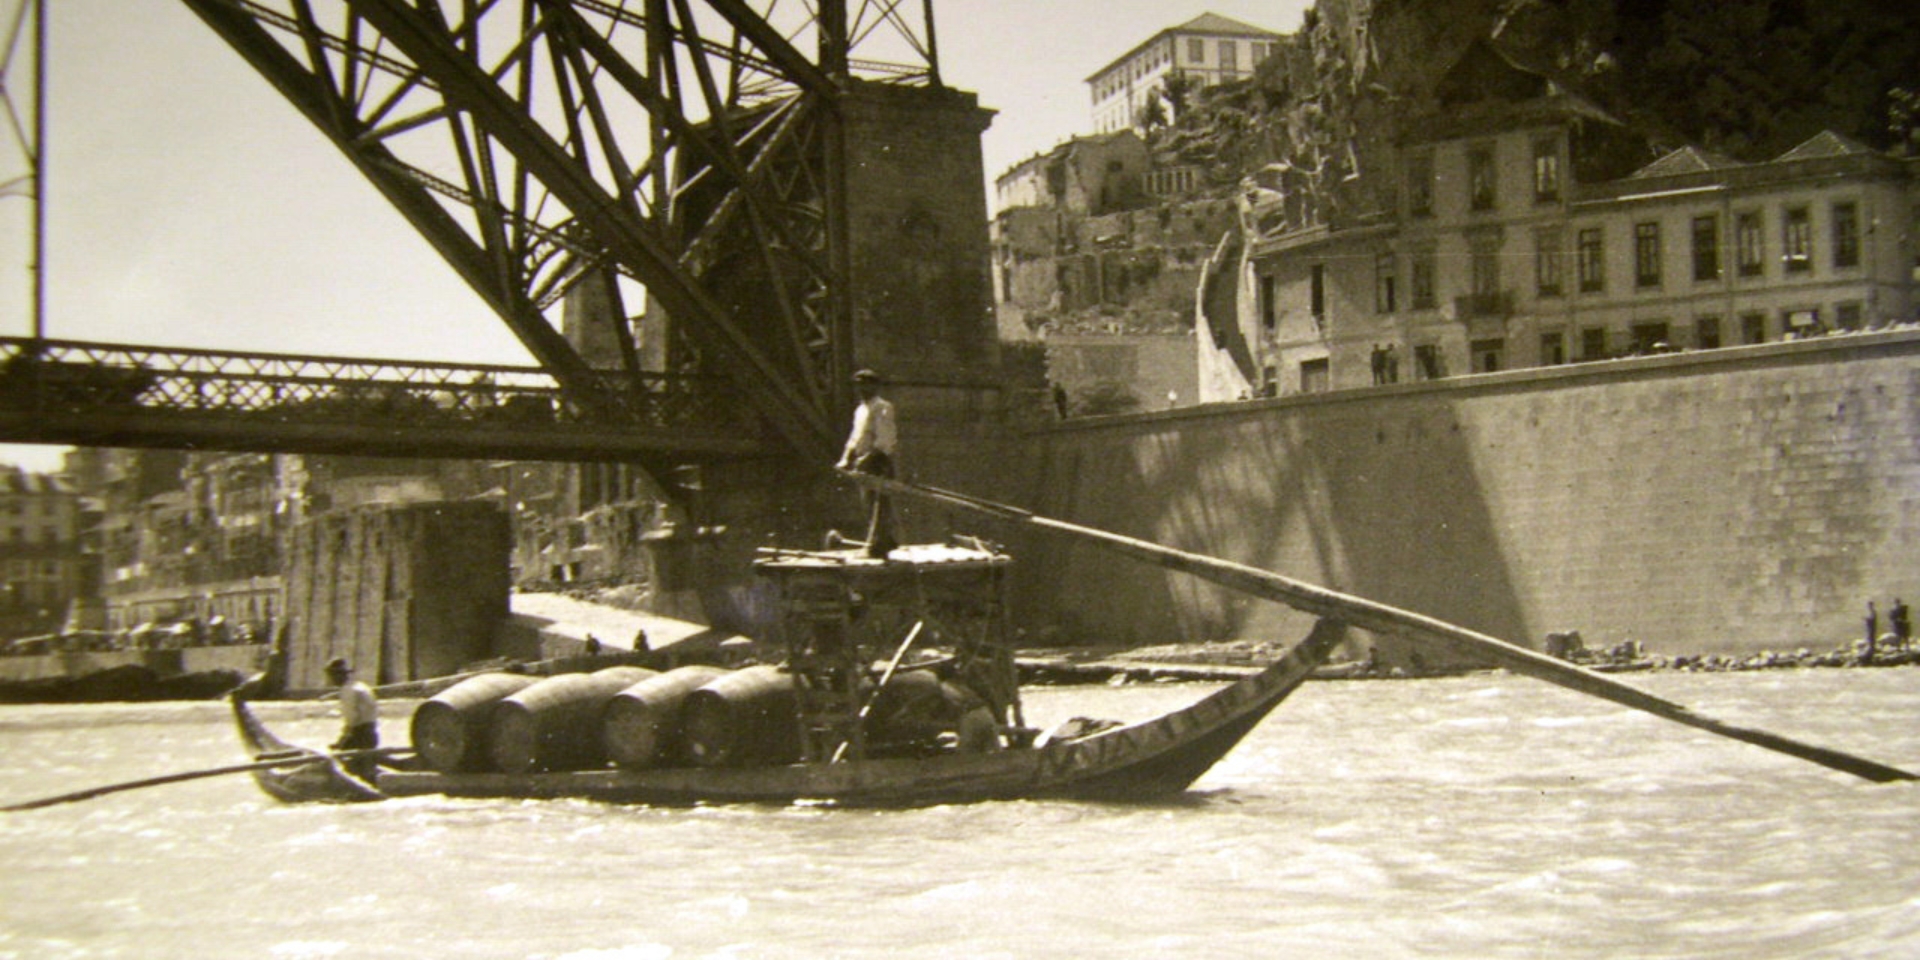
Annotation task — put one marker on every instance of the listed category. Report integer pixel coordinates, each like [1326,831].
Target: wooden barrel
[555,724]
[450,730]
[746,718]
[642,725]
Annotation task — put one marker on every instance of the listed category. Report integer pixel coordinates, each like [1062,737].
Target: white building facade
[1210,48]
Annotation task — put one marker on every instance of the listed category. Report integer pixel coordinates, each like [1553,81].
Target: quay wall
[1714,501]
[403,592]
[243,659]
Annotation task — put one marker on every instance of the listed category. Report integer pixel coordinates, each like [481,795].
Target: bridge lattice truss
[691,149]
[67,391]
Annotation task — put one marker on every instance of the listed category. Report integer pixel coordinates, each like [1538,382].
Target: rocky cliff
[1748,78]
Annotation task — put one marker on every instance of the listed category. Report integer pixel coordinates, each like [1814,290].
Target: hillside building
[1095,253]
[1210,49]
[1085,176]
[43,572]
[1518,232]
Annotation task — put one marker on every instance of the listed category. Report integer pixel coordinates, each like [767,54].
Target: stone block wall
[1727,500]
[916,207]
[403,593]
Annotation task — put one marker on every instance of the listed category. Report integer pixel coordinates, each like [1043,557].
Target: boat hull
[1144,761]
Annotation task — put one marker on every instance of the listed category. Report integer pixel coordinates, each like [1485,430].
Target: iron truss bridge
[115,395]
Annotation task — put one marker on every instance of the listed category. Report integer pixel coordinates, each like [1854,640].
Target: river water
[1482,816]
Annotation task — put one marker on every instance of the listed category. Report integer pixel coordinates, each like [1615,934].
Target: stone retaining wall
[1719,501]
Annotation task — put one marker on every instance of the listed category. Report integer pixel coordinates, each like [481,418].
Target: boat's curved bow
[310,776]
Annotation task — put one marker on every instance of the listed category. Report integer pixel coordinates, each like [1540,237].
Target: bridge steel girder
[314,97]
[132,426]
[802,71]
[125,395]
[758,292]
[464,84]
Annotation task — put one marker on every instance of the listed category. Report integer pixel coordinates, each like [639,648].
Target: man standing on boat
[870,450]
[359,717]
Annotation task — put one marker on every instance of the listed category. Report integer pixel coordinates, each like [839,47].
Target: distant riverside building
[197,536]
[1095,254]
[1524,228]
[42,570]
[1210,49]
[1086,176]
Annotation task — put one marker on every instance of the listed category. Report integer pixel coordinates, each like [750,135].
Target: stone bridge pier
[920,296]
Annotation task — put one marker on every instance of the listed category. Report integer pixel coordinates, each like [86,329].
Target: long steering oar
[1381,618]
[277,763]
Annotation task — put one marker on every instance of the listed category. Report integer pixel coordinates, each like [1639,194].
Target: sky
[189,205]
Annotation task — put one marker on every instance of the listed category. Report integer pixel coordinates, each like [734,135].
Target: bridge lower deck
[117,395]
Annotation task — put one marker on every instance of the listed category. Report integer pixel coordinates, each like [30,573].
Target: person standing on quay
[871,448]
[1899,619]
[1873,630]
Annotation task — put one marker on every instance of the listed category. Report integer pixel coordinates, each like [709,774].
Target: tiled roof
[1826,143]
[1206,23]
[1685,160]
[1215,23]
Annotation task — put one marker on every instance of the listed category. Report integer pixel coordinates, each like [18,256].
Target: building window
[1846,316]
[1646,254]
[1546,261]
[1706,247]
[1592,261]
[1593,343]
[1229,55]
[1196,51]
[1483,265]
[1546,170]
[1753,328]
[1800,323]
[1420,185]
[1651,337]
[1422,280]
[1706,333]
[1488,355]
[1749,242]
[1426,358]
[1269,311]
[1317,293]
[1315,377]
[1553,348]
[1383,279]
[1796,241]
[1846,235]
[1481,187]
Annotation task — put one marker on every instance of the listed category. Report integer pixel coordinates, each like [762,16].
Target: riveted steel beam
[629,239]
[314,97]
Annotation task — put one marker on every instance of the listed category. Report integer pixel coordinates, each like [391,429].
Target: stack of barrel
[634,717]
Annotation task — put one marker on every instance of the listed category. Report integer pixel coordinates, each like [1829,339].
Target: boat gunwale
[1053,768]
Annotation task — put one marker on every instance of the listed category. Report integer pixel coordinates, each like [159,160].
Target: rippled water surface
[1486,816]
